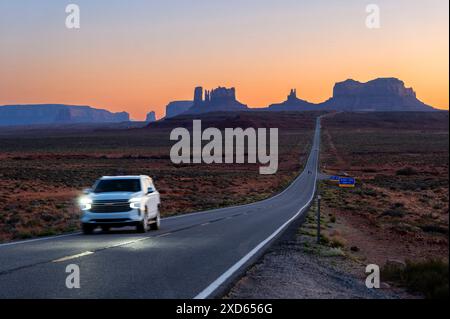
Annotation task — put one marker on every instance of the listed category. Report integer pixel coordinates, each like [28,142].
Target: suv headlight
[85,203]
[135,203]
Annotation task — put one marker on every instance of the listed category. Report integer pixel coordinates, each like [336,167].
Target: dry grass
[399,208]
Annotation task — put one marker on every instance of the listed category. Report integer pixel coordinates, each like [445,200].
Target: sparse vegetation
[43,172]
[331,243]
[407,171]
[399,208]
[337,242]
[427,277]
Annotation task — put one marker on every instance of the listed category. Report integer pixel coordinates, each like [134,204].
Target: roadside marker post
[318,218]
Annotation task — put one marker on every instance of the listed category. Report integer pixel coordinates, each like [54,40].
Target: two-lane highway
[192,256]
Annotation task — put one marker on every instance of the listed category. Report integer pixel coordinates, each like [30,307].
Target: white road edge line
[227,274]
[213,286]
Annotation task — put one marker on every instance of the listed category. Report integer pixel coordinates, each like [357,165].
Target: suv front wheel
[87,229]
[142,227]
[156,222]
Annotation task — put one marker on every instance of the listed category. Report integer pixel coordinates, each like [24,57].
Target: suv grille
[110,206]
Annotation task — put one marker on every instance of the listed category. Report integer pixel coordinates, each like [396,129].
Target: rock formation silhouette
[293,103]
[379,95]
[151,117]
[383,94]
[40,114]
[177,107]
[220,99]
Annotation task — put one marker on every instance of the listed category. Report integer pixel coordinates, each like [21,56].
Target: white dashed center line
[86,253]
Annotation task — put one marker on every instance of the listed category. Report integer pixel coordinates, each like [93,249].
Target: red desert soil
[42,172]
[399,209]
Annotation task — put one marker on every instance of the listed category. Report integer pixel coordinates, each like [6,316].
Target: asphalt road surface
[191,256]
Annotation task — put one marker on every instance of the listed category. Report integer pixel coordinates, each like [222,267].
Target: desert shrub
[427,277]
[434,229]
[324,239]
[406,171]
[363,192]
[405,228]
[25,235]
[400,183]
[337,242]
[47,232]
[331,252]
[393,213]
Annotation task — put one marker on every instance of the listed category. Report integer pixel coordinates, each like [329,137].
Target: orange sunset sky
[138,55]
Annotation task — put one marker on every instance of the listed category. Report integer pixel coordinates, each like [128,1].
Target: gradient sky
[138,55]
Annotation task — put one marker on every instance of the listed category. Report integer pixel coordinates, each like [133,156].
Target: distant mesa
[293,103]
[176,108]
[44,114]
[381,95]
[217,100]
[151,117]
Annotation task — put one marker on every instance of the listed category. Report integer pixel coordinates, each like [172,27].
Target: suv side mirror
[150,190]
[87,191]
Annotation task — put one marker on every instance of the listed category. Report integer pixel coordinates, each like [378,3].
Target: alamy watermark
[227,149]
[373,20]
[73,19]
[73,279]
[373,278]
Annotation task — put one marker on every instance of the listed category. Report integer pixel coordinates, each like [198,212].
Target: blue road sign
[347,182]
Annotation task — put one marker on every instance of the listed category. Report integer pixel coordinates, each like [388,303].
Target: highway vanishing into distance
[192,256]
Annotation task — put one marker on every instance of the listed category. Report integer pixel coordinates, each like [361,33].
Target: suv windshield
[118,185]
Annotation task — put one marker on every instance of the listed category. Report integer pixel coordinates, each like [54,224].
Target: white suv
[119,201]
